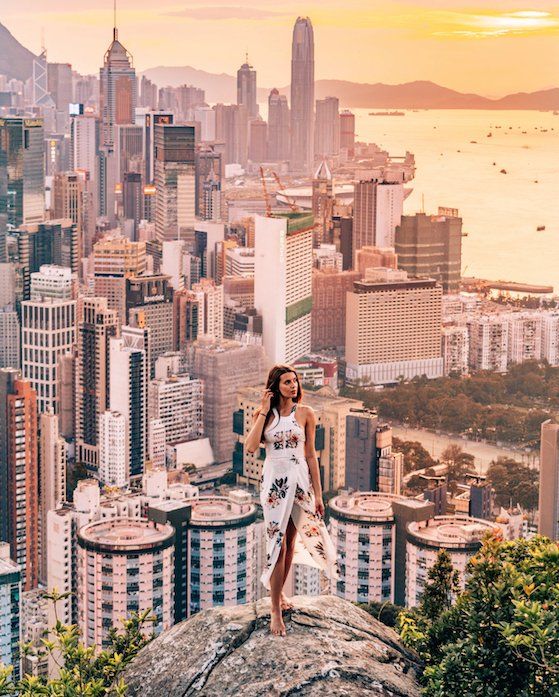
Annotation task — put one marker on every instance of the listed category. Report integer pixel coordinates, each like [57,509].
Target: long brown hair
[273,382]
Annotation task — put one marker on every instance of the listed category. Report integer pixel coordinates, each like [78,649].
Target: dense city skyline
[408,39]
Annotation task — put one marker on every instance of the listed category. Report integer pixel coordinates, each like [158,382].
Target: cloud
[219,13]
[490,25]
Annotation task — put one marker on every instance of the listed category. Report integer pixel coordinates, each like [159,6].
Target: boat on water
[489,135]
[387,113]
[540,228]
[502,171]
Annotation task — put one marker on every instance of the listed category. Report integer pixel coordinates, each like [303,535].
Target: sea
[459,156]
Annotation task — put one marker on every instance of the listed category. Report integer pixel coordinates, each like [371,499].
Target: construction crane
[266,195]
[290,201]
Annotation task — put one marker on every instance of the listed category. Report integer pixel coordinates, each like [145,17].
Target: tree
[514,483]
[458,463]
[501,636]
[82,671]
[416,457]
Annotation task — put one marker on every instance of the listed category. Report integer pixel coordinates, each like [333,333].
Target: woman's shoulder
[305,410]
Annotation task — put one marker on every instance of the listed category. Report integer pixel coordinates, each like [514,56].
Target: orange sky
[492,48]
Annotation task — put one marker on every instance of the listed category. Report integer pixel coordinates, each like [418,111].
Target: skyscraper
[347,131]
[377,210]
[117,90]
[52,471]
[549,480]
[327,127]
[302,96]
[113,449]
[231,127]
[246,89]
[22,140]
[97,327]
[129,357]
[283,284]
[19,485]
[431,245]
[278,126]
[3,203]
[174,181]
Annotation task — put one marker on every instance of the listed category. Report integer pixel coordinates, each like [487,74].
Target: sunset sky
[492,48]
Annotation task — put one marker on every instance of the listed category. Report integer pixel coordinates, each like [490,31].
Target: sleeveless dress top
[286,490]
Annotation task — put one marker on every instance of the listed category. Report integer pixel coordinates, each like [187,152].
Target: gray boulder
[332,648]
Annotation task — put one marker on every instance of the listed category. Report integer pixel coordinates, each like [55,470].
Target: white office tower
[7,284]
[52,473]
[84,144]
[113,450]
[48,332]
[455,349]
[156,442]
[178,402]
[239,261]
[488,342]
[550,338]
[525,336]
[174,263]
[283,284]
[210,324]
[129,361]
[53,282]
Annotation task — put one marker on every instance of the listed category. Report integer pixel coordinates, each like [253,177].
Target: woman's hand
[266,401]
[319,506]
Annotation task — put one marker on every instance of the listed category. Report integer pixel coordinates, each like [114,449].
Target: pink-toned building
[223,551]
[124,565]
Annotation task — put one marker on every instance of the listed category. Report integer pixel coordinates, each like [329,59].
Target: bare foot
[277,626]
[285,603]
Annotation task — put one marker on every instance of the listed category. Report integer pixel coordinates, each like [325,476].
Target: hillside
[15,60]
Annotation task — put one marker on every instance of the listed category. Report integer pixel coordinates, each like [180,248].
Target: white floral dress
[286,490]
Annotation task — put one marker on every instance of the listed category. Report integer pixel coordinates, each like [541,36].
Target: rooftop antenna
[43,47]
[115,30]
[422,198]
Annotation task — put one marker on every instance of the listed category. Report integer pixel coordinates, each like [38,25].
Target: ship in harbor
[387,113]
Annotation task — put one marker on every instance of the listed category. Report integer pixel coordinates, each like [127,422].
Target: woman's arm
[252,441]
[312,460]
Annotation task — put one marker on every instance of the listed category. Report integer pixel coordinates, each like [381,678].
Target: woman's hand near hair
[252,441]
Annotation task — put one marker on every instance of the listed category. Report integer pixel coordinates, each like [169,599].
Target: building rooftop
[124,534]
[368,506]
[236,509]
[450,531]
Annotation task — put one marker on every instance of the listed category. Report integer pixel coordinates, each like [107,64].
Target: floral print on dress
[291,439]
[272,529]
[278,490]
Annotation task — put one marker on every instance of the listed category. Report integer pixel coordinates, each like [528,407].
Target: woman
[291,492]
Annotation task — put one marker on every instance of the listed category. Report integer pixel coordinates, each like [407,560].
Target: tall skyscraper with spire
[117,90]
[246,89]
[302,96]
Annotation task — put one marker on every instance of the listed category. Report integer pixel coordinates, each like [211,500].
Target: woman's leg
[276,584]
[290,535]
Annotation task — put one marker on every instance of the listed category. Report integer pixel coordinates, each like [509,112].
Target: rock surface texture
[332,649]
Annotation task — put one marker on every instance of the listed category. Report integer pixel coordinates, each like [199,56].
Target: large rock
[332,648]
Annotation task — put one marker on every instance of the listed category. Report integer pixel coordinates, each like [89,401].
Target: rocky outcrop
[332,648]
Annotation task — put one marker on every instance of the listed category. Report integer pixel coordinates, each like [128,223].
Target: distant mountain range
[420,94]
[17,62]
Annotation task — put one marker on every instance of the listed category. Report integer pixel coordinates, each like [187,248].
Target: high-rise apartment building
[52,472]
[10,331]
[98,325]
[429,245]
[377,210]
[132,560]
[174,181]
[19,476]
[329,294]
[548,504]
[456,349]
[113,449]
[283,284]
[114,260]
[22,139]
[10,612]
[327,127]
[302,96]
[210,318]
[525,337]
[278,127]
[177,401]
[209,168]
[48,331]
[347,132]
[231,128]
[224,366]
[550,338]
[129,377]
[488,335]
[393,328]
[246,89]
